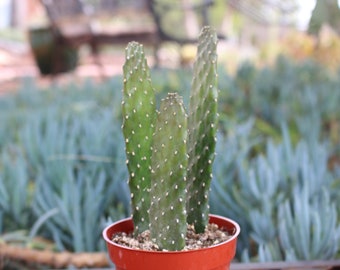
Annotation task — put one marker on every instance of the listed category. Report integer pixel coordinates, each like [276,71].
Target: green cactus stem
[168,185]
[202,124]
[139,113]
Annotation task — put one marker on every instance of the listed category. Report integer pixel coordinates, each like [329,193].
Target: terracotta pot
[217,257]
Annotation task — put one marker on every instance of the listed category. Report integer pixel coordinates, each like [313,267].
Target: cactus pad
[202,124]
[168,186]
[139,112]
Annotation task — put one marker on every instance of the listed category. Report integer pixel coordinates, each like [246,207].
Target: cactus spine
[139,112]
[202,124]
[169,163]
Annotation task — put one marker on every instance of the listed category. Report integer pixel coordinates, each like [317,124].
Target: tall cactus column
[168,186]
[202,125]
[139,113]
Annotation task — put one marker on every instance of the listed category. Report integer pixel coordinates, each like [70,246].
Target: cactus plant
[166,157]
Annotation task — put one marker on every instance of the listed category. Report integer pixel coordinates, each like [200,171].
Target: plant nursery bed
[16,257]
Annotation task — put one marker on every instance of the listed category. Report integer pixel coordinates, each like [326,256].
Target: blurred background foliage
[277,169]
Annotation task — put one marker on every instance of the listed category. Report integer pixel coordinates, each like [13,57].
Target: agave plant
[170,152]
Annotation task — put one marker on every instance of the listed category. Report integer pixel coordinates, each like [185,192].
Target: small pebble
[212,236]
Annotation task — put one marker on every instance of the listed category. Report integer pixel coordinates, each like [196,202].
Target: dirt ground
[17,63]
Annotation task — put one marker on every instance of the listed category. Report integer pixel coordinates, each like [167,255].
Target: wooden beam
[305,265]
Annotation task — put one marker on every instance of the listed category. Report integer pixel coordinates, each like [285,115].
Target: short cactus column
[139,112]
[202,126]
[168,186]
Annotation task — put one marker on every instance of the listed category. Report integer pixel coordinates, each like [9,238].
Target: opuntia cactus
[202,125]
[168,182]
[139,111]
[169,158]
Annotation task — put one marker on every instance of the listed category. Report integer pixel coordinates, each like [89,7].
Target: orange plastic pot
[217,257]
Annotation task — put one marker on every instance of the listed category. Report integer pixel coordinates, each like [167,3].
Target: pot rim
[232,238]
